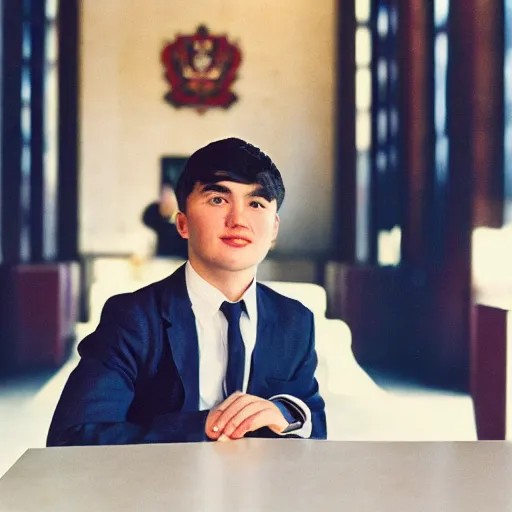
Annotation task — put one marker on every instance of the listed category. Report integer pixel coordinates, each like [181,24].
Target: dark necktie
[236,348]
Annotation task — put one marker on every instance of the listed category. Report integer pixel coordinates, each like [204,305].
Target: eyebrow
[213,187]
[221,189]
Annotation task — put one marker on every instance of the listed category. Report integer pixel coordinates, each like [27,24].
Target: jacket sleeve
[308,390]
[302,385]
[94,405]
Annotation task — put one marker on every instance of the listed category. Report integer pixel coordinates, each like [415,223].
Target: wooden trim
[69,128]
[37,176]
[10,173]
[344,232]
[416,68]
[488,120]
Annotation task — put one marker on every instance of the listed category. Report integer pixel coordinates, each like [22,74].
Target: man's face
[229,226]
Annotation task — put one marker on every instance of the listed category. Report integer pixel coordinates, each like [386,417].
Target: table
[263,475]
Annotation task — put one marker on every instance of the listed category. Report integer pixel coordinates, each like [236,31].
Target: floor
[18,428]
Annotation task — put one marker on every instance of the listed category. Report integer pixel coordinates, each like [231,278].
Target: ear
[276,227]
[182,225]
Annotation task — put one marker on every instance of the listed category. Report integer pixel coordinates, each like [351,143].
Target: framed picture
[170,169]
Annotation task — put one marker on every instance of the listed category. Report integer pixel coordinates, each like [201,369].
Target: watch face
[292,426]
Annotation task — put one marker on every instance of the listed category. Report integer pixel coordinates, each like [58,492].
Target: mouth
[236,241]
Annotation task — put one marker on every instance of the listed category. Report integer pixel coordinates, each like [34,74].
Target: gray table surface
[264,475]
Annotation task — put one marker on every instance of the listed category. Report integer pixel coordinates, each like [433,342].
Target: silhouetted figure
[160,216]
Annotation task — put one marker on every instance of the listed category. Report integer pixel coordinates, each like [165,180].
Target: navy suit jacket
[138,377]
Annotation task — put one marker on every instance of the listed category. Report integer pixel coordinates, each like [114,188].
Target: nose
[236,216]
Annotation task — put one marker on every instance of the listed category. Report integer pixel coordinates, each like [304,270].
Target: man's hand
[241,413]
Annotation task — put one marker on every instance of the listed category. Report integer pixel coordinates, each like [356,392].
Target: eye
[257,204]
[216,200]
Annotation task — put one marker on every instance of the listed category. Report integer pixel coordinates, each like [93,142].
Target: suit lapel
[262,353]
[182,336]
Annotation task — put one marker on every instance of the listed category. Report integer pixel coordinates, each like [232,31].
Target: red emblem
[201,69]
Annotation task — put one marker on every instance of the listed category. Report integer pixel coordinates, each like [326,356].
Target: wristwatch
[292,413]
[292,427]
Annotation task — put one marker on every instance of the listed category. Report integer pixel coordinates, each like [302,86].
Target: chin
[238,264]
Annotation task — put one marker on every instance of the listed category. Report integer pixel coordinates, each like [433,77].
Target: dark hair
[230,160]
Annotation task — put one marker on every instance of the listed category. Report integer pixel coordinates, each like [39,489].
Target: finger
[235,407]
[262,418]
[248,411]
[212,429]
[229,400]
[223,439]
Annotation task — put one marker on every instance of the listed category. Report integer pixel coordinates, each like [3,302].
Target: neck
[232,284]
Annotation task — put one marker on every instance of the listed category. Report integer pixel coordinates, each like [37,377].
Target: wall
[286,91]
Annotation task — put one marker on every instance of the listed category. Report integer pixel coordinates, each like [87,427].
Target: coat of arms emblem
[200,69]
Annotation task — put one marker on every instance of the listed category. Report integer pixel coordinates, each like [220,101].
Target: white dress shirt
[212,335]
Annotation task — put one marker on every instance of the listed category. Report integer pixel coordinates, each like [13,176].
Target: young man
[207,353]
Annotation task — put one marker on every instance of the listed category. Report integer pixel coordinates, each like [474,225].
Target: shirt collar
[206,299]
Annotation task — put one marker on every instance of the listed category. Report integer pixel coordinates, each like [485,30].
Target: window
[442,141]
[50,131]
[363,127]
[385,151]
[45,129]
[26,132]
